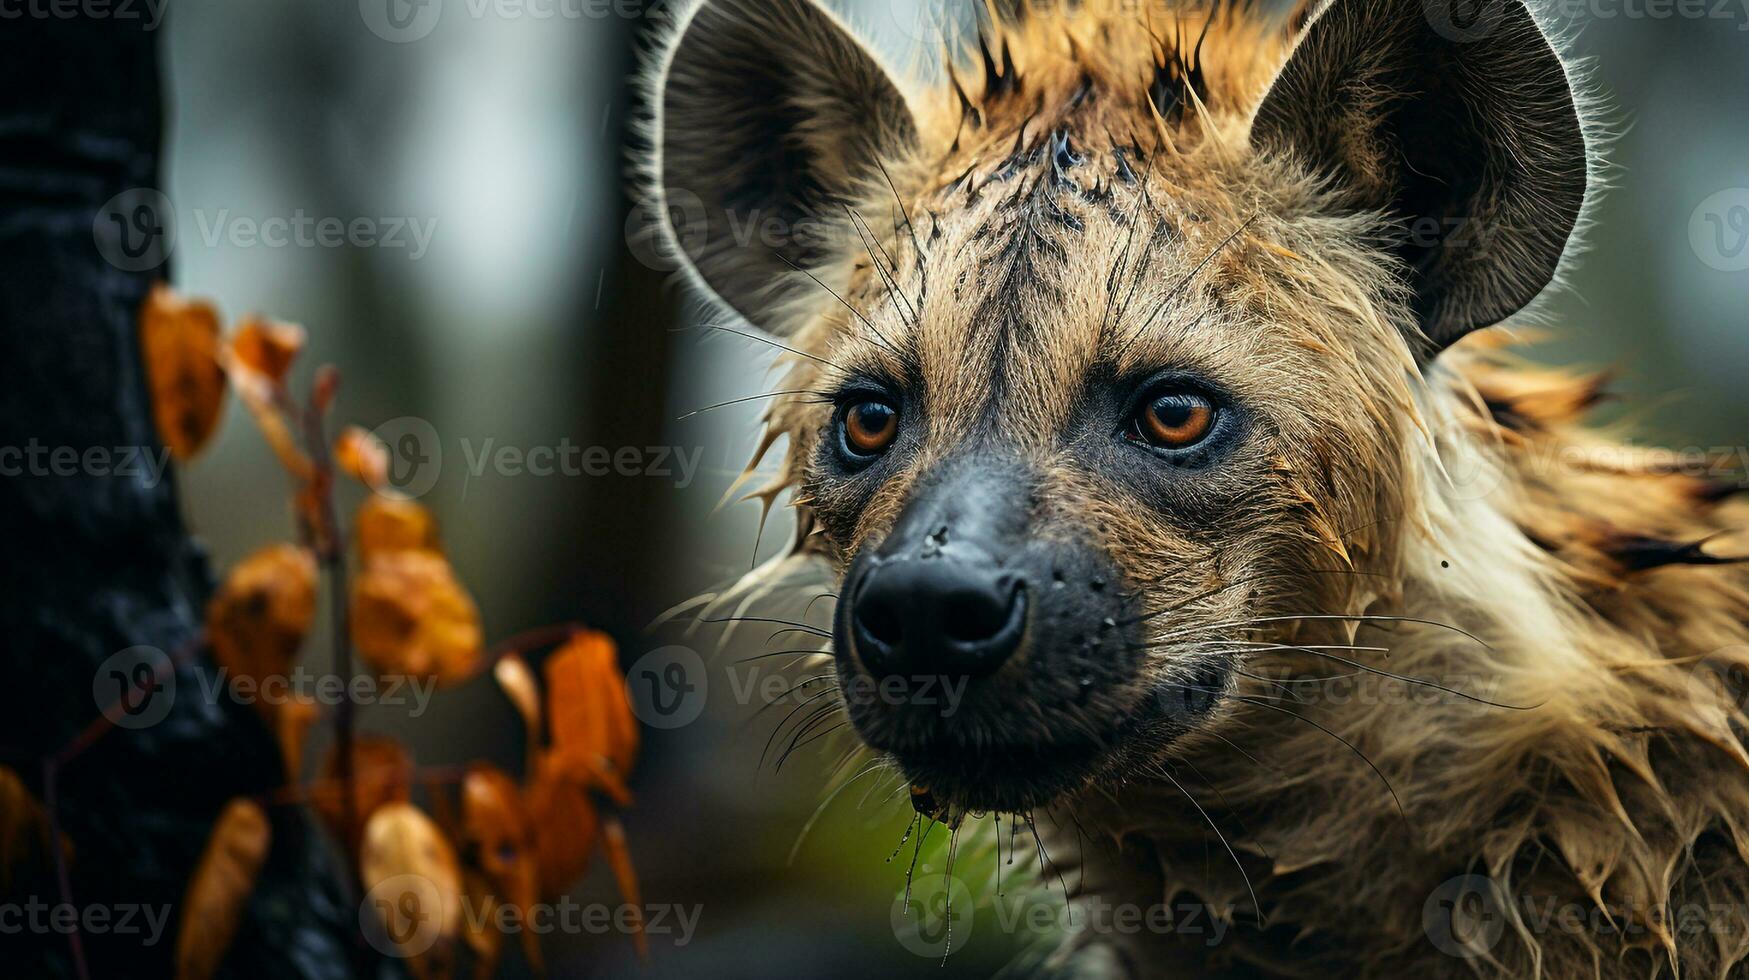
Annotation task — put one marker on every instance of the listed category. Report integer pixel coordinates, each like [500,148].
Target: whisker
[1217,590]
[815,718]
[821,809]
[915,852]
[870,242]
[823,396]
[772,738]
[794,747]
[1113,280]
[1178,287]
[1235,747]
[1045,863]
[1280,685]
[1247,623]
[1318,652]
[953,840]
[922,266]
[996,820]
[773,343]
[798,654]
[808,630]
[909,825]
[778,622]
[1351,747]
[1266,576]
[846,303]
[1261,918]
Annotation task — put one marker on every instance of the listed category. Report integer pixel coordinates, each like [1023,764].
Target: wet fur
[1083,202]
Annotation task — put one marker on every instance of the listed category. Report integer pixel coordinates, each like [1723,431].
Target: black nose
[934,616]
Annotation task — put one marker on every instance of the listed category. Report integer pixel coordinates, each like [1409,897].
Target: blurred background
[513,309]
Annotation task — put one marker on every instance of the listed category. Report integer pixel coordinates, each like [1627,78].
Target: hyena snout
[991,656]
[919,616]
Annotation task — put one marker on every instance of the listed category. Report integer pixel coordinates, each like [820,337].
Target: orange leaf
[249,365]
[291,723]
[179,343]
[267,347]
[324,388]
[619,856]
[259,616]
[414,882]
[24,827]
[275,428]
[393,524]
[410,616]
[382,773]
[564,823]
[589,710]
[220,887]
[499,840]
[481,933]
[362,456]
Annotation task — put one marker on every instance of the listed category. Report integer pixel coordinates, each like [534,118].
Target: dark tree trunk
[96,557]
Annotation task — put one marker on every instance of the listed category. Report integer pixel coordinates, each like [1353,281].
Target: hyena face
[1107,361]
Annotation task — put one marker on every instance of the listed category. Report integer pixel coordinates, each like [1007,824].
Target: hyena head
[1111,349]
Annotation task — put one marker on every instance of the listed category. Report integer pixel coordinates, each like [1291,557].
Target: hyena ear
[1456,118]
[772,118]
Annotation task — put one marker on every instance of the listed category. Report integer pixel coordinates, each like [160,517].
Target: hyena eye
[1174,419]
[868,428]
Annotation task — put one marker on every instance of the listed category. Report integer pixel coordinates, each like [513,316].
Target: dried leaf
[220,888]
[565,825]
[24,827]
[410,616]
[483,938]
[619,857]
[291,725]
[593,731]
[258,618]
[415,883]
[248,365]
[498,838]
[382,773]
[392,524]
[324,388]
[362,456]
[179,343]
[277,430]
[267,347]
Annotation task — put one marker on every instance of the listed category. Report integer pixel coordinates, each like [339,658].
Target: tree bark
[96,558]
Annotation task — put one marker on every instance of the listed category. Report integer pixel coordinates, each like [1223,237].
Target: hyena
[1137,381]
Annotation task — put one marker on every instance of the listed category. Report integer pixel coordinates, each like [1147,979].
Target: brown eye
[869,428]
[1175,420]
